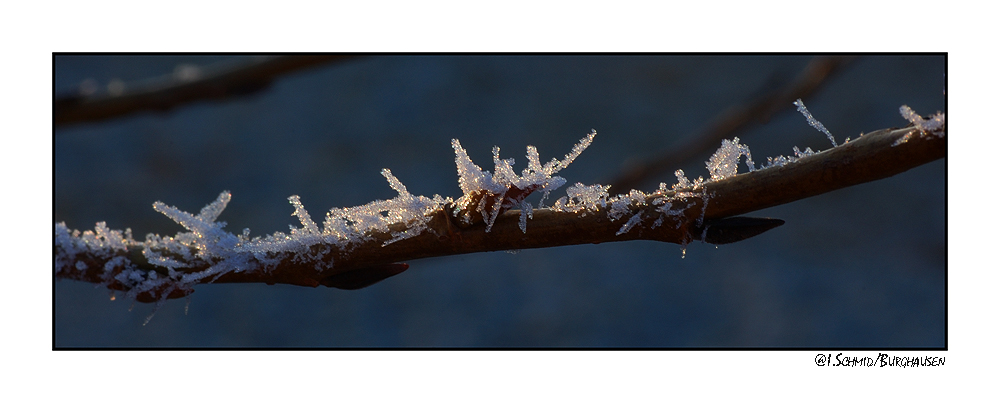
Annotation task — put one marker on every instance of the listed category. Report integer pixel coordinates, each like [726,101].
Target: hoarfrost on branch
[207,244]
[491,194]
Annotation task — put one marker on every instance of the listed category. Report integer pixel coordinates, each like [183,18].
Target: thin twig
[223,80]
[731,121]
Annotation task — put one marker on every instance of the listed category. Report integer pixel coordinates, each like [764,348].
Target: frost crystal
[307,223]
[934,124]
[621,205]
[471,177]
[206,235]
[635,220]
[526,213]
[725,162]
[491,194]
[346,226]
[931,126]
[583,198]
[800,154]
[682,181]
[813,122]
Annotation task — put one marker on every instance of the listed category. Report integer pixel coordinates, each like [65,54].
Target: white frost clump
[101,242]
[934,124]
[783,160]
[800,154]
[207,241]
[682,180]
[580,197]
[206,236]
[725,162]
[925,126]
[504,188]
[621,204]
[812,121]
[344,226]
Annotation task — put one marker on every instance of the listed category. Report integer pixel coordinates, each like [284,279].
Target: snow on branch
[359,246]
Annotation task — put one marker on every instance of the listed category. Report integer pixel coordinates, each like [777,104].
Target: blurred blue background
[858,267]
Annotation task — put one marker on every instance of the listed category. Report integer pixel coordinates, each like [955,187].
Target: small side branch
[195,84]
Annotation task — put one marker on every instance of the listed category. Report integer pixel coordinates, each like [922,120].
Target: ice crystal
[526,213]
[471,177]
[622,204]
[813,122]
[584,199]
[667,211]
[784,160]
[491,194]
[101,243]
[682,181]
[934,125]
[632,222]
[308,224]
[725,162]
[580,197]
[800,154]
[777,161]
[345,226]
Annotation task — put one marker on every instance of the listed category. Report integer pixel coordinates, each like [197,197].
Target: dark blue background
[859,267]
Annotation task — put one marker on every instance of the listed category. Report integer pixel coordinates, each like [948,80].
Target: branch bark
[871,157]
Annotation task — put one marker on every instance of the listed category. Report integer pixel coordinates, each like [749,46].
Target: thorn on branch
[734,229]
[361,278]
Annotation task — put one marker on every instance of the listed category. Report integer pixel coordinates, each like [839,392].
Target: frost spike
[211,212]
[303,215]
[812,121]
[393,182]
[555,166]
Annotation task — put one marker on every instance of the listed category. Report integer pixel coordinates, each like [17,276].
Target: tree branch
[874,156]
[165,93]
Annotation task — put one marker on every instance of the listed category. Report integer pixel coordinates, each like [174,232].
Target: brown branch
[161,94]
[732,120]
[868,158]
